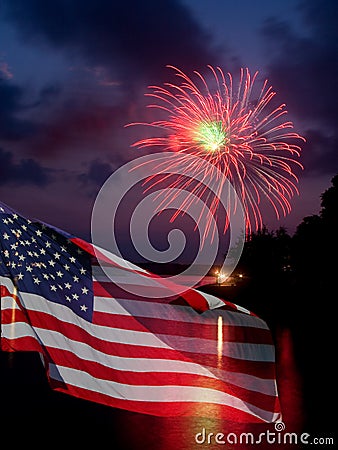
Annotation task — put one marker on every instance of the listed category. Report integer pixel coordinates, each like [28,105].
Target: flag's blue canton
[44,262]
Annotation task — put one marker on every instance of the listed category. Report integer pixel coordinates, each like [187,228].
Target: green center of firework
[211,136]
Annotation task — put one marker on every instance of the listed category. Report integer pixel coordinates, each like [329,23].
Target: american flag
[103,340]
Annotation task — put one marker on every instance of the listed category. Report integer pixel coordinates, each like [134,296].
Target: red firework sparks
[237,130]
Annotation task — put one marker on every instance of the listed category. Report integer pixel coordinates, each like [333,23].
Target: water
[28,403]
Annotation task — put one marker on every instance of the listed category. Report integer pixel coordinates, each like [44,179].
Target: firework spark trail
[235,130]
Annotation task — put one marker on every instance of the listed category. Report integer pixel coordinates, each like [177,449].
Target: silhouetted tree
[315,242]
[307,249]
[329,204]
[266,254]
[312,301]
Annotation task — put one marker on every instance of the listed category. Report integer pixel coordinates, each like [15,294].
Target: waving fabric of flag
[187,354]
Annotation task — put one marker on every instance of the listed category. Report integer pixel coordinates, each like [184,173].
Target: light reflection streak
[219,341]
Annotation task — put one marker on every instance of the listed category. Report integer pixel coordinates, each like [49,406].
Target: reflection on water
[151,433]
[219,341]
[25,394]
[289,382]
[191,433]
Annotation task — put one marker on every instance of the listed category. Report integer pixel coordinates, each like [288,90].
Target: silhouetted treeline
[308,258]
[316,241]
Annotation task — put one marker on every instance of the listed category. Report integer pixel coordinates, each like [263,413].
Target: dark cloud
[11,104]
[319,147]
[138,38]
[47,95]
[130,41]
[304,71]
[97,173]
[23,172]
[78,128]
[321,18]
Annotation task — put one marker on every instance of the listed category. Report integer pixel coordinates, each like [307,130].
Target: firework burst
[236,128]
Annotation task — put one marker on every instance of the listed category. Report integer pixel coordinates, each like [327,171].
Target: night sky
[73,73]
